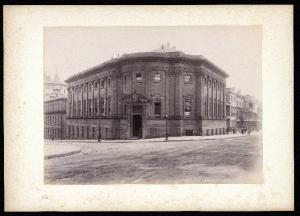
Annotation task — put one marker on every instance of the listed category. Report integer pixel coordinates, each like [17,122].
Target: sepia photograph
[148,108]
[152,105]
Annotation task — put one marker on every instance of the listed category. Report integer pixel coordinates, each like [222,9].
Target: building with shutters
[145,95]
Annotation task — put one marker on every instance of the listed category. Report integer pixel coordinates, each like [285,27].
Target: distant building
[54,88]
[55,118]
[242,112]
[147,94]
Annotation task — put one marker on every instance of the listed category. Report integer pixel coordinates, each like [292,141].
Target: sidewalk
[52,151]
[161,139]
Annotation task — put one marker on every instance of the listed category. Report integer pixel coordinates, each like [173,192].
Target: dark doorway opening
[137,126]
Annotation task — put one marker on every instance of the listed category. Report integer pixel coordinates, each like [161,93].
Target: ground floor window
[82,131]
[187,107]
[157,109]
[93,132]
[125,110]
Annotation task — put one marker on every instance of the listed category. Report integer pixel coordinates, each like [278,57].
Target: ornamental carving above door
[136,98]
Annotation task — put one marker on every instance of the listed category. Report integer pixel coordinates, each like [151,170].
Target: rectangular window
[89,107]
[124,78]
[82,131]
[108,106]
[96,85]
[206,108]
[138,76]
[93,135]
[187,108]
[157,77]
[102,84]
[125,110]
[157,109]
[108,81]
[74,108]
[79,108]
[102,104]
[96,107]
[84,108]
[187,78]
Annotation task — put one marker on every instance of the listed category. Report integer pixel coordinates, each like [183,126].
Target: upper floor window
[108,81]
[102,106]
[157,77]
[187,107]
[138,76]
[90,87]
[187,78]
[96,85]
[102,84]
[205,81]
[79,89]
[84,88]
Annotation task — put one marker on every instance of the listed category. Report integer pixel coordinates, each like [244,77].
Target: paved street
[231,160]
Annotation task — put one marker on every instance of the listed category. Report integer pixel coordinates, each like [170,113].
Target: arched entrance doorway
[137,124]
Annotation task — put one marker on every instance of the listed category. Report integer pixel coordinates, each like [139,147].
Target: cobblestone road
[234,160]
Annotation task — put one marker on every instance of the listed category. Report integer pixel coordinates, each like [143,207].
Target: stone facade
[55,118]
[146,94]
[242,112]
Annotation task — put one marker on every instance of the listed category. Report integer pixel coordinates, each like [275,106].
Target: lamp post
[52,126]
[167,135]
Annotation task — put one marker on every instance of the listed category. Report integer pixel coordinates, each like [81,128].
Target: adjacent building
[242,112]
[54,88]
[55,118]
[147,95]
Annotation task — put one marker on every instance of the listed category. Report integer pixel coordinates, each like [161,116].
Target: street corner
[57,151]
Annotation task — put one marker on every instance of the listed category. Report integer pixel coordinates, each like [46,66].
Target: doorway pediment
[136,98]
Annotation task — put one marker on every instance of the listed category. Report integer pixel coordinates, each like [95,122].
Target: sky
[235,49]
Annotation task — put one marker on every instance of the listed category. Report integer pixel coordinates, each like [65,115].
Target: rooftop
[164,52]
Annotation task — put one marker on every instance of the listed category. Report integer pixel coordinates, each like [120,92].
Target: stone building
[234,109]
[55,118]
[54,88]
[241,111]
[147,95]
